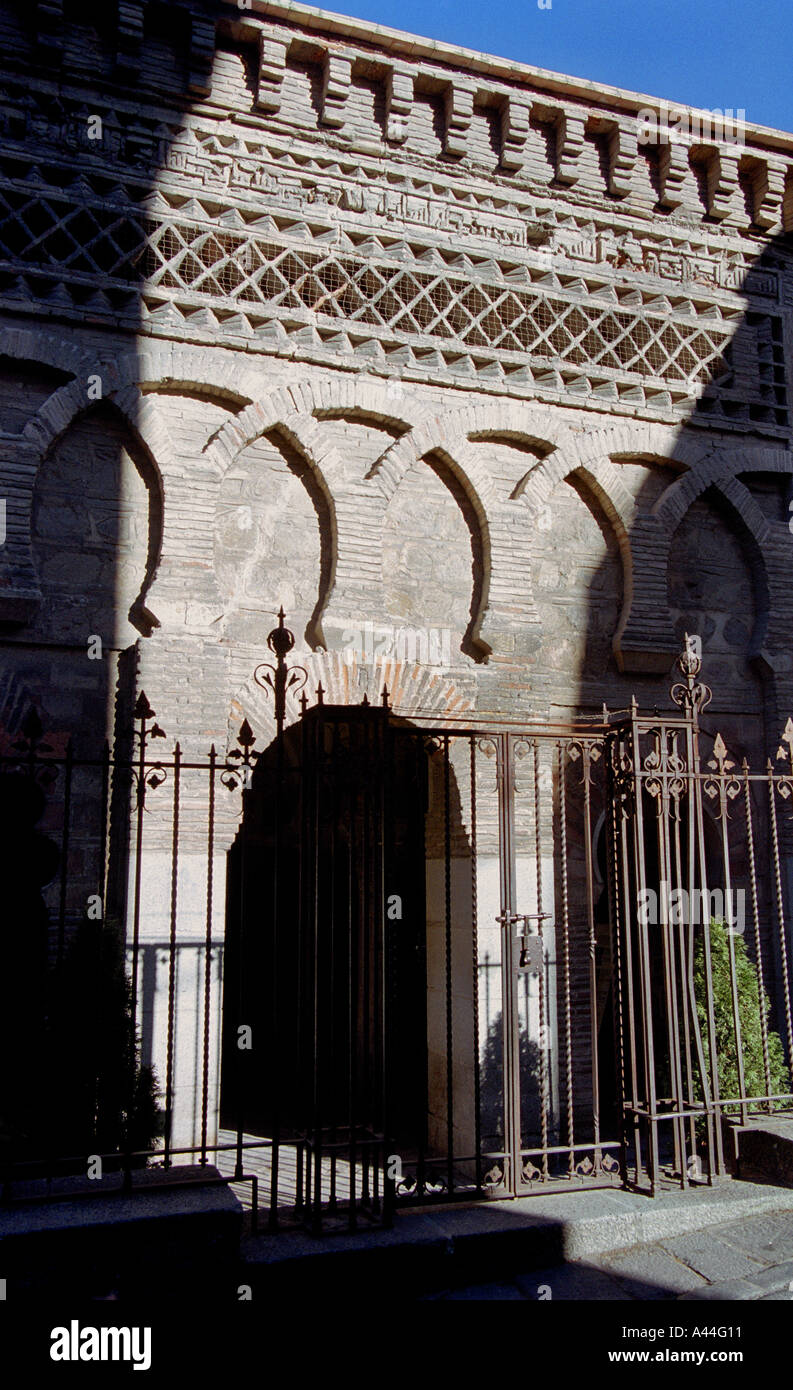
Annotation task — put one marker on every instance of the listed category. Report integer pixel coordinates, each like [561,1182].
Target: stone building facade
[434,350]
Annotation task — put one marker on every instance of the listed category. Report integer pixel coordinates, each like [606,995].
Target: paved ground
[732,1241]
[745,1260]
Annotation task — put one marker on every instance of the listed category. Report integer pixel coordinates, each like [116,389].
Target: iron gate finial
[280,678]
[694,696]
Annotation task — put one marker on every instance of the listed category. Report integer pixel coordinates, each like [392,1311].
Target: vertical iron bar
[689,1000]
[663,815]
[104,831]
[475,948]
[379,962]
[136,900]
[300,1049]
[645,975]
[366,924]
[680,993]
[758,948]
[630,968]
[447,869]
[308,831]
[780,906]
[254,1205]
[332,981]
[104,888]
[239,1075]
[544,1058]
[67,812]
[723,776]
[275,1038]
[386,824]
[617,891]
[177,770]
[353,967]
[511,1050]
[316,1118]
[565,904]
[715,1138]
[592,948]
[426,749]
[208,952]
[486,968]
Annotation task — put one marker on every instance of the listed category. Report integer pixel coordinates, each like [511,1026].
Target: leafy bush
[749,1016]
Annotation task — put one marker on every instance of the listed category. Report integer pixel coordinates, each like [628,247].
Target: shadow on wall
[723,531]
[73,602]
[703,541]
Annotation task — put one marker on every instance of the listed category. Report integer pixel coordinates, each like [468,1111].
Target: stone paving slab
[718,1259]
[659,1272]
[172,1235]
[649,1272]
[712,1263]
[731,1291]
[713,1257]
[775,1276]
[190,1192]
[767,1237]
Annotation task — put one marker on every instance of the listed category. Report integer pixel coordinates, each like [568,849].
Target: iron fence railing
[377,963]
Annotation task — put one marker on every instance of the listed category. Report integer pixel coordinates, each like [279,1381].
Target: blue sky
[708,53]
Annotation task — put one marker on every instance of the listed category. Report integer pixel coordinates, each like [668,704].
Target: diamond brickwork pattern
[408,296]
[477,315]
[244,269]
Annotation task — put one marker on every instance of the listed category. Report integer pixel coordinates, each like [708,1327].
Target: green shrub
[749,1016]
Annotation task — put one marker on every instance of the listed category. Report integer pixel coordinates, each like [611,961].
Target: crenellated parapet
[279,38]
[520,101]
[294,183]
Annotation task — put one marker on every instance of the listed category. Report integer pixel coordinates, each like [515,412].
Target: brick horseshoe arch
[644,640]
[357,511]
[122,386]
[36,442]
[131,384]
[413,689]
[677,499]
[452,430]
[506,598]
[768,545]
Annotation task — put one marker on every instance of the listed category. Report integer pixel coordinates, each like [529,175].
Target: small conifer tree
[749,1016]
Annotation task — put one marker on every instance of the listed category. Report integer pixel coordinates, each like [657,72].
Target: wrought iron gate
[702,857]
[443,976]
[455,961]
[476,1002]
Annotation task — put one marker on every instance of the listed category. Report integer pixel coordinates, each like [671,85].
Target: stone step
[432,1248]
[764,1151]
[175,1236]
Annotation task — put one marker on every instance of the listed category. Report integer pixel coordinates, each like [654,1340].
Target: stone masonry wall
[299,312]
[494,347]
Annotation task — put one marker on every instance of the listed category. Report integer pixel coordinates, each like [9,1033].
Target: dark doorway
[324,1040]
[394,1028]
